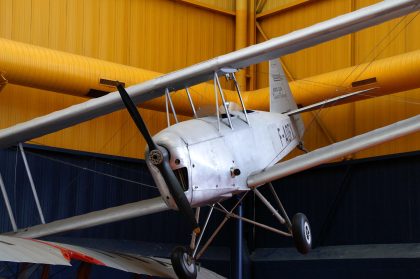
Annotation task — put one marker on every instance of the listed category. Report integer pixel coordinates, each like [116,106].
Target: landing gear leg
[183,263]
[182,259]
[299,228]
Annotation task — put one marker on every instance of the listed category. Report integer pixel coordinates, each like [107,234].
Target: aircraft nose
[176,147]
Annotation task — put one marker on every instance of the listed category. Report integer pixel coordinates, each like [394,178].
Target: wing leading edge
[204,71]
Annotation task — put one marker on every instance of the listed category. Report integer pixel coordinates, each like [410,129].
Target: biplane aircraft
[205,160]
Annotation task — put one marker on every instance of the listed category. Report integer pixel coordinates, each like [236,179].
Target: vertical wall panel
[40,21]
[57,31]
[6,16]
[91,12]
[75,23]
[21,20]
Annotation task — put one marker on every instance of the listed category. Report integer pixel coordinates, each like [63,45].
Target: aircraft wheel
[301,233]
[182,263]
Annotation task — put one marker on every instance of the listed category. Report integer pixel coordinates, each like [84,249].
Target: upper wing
[14,249]
[204,71]
[336,150]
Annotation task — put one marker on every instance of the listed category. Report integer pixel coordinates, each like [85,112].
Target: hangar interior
[363,208]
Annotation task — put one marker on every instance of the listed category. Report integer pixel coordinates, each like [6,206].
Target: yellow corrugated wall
[160,35]
[164,35]
[396,36]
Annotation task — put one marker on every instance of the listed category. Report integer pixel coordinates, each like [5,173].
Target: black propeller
[159,157]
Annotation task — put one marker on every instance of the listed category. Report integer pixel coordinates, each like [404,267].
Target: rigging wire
[387,45]
[377,45]
[90,170]
[317,113]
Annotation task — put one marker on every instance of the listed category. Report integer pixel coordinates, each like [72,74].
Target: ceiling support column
[252,40]
[241,36]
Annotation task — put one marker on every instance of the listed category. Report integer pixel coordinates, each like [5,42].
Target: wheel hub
[307,232]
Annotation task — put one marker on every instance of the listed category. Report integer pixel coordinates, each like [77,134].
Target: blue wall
[367,201]
[354,202]
[66,189]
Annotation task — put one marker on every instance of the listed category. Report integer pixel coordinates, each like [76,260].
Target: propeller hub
[156,157]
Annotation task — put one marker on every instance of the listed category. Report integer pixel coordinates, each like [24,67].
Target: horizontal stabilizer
[334,101]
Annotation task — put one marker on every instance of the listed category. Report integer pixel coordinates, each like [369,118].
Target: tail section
[281,98]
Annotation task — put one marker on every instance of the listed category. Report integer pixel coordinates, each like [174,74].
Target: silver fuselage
[209,155]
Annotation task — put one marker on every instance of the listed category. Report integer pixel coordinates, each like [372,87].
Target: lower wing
[15,249]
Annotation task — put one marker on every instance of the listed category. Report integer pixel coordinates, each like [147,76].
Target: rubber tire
[179,263]
[302,235]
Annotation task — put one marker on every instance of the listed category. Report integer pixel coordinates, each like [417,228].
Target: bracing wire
[317,113]
[90,170]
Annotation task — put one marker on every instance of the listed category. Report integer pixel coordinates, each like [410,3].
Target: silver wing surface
[204,71]
[95,218]
[15,249]
[335,151]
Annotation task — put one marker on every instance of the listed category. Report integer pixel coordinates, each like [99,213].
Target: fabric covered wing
[15,249]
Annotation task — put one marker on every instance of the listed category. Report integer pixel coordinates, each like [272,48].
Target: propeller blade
[159,157]
[135,115]
[176,190]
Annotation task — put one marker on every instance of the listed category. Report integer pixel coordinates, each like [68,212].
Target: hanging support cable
[7,203]
[31,181]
